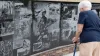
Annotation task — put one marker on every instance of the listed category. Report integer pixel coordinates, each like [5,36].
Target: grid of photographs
[31,27]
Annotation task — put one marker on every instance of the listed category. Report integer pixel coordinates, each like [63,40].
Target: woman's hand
[75,39]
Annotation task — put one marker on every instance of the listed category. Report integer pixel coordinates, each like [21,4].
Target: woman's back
[91,29]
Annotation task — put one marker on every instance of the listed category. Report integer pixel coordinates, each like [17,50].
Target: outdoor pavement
[71,54]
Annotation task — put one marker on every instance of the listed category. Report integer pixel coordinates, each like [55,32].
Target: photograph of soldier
[45,25]
[40,31]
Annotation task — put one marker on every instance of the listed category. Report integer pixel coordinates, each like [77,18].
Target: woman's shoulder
[86,11]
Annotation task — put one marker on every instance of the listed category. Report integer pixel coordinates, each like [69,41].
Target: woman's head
[84,5]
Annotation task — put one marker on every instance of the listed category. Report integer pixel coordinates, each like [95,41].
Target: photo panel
[69,20]
[25,49]
[22,22]
[6,46]
[6,18]
[46,25]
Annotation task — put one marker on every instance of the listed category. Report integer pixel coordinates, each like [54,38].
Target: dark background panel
[6,18]
[68,22]
[6,46]
[22,28]
[46,26]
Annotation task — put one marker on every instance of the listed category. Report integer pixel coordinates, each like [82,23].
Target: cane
[75,49]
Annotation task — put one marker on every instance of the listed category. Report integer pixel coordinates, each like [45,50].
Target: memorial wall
[31,27]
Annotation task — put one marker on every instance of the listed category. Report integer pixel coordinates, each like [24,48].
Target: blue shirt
[91,29]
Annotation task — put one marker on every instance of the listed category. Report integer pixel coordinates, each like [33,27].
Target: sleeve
[82,17]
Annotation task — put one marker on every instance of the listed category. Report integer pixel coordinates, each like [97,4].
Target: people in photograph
[54,9]
[44,17]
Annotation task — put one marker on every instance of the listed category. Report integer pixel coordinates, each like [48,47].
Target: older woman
[88,30]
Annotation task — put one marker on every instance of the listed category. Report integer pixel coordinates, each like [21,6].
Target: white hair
[85,3]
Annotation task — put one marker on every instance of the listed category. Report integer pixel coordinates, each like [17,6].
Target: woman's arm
[78,32]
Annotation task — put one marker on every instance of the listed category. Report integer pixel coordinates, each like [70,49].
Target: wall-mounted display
[22,30]
[46,25]
[31,27]
[6,18]
[68,22]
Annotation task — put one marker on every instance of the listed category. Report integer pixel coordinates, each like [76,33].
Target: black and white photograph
[46,25]
[25,49]
[6,18]
[6,47]
[54,19]
[68,22]
[22,22]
